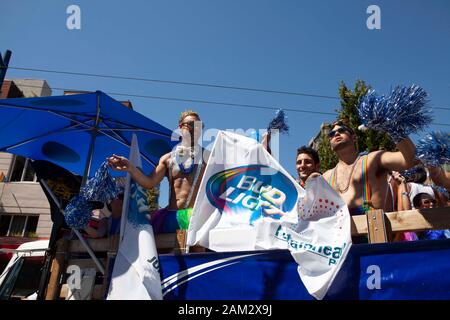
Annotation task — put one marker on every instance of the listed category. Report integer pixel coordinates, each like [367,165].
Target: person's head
[416,174]
[424,201]
[190,125]
[341,136]
[307,162]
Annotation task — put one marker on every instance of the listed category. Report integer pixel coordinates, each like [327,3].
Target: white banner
[242,197]
[136,268]
[319,236]
[247,201]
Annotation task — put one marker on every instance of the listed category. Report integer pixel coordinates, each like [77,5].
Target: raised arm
[120,163]
[400,160]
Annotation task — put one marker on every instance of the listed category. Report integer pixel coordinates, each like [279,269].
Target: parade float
[82,130]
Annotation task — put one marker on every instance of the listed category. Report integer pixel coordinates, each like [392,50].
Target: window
[21,170]
[18,225]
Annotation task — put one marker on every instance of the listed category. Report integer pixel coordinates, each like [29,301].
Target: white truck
[20,278]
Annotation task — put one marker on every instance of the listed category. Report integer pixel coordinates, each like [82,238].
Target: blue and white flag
[136,269]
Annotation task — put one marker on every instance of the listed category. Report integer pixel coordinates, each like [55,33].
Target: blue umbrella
[78,132]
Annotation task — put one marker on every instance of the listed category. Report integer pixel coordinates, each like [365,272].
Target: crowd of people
[365,181]
[374,180]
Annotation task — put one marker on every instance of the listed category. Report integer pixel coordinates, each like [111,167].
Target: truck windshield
[22,279]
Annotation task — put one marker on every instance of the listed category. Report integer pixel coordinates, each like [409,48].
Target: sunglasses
[429,201]
[190,124]
[339,130]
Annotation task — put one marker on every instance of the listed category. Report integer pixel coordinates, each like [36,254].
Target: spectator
[401,202]
[415,184]
[426,201]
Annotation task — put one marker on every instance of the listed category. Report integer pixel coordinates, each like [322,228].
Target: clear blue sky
[302,46]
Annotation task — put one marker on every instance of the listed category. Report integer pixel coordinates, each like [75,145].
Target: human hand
[119,163]
[313,175]
[398,177]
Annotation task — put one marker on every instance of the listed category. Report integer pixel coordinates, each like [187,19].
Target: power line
[206,102]
[187,83]
[441,108]
[208,85]
[191,100]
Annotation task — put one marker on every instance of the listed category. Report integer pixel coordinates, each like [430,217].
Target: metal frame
[77,233]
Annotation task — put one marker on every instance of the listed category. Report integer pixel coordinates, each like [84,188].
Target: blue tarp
[58,129]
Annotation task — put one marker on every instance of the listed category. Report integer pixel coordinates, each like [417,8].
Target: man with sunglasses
[184,167]
[361,179]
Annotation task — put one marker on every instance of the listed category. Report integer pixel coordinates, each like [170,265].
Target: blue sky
[301,46]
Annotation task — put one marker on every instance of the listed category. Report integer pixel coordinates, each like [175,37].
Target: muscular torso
[180,185]
[379,196]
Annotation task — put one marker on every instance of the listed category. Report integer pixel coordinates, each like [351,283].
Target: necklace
[181,153]
[349,178]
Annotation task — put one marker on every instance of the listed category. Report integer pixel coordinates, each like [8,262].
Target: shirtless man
[183,167]
[361,180]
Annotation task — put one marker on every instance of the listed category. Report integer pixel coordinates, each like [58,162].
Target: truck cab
[20,278]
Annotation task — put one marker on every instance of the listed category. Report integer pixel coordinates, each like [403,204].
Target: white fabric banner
[247,201]
[243,194]
[136,269]
[319,236]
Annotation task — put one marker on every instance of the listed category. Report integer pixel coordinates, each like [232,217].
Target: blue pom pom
[411,172]
[279,122]
[434,235]
[102,187]
[434,149]
[78,212]
[403,112]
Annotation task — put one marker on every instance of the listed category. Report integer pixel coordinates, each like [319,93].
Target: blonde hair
[188,113]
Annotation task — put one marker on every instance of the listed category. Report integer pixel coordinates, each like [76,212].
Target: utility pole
[4,66]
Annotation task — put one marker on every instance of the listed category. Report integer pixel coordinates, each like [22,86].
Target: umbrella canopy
[78,132]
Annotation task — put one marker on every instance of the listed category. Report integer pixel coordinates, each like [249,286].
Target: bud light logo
[245,191]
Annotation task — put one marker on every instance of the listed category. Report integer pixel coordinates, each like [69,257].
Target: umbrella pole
[94,132]
[82,240]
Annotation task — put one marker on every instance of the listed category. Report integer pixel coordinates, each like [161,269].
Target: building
[315,141]
[33,87]
[24,209]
